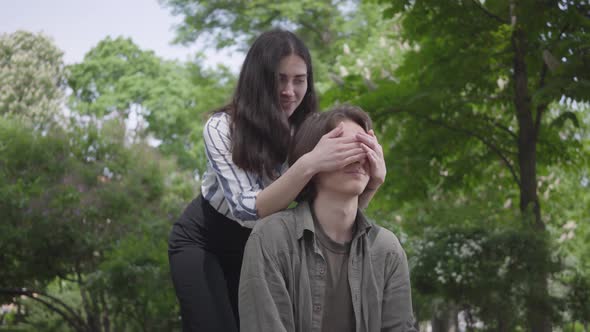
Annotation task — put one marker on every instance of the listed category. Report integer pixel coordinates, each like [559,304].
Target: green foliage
[136,270]
[579,298]
[484,270]
[568,197]
[114,76]
[38,318]
[167,100]
[450,129]
[79,206]
[31,193]
[326,26]
[455,83]
[32,77]
[86,209]
[231,22]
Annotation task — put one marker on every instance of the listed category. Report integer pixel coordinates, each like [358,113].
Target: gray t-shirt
[338,310]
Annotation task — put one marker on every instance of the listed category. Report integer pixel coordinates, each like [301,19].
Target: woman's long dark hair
[261,131]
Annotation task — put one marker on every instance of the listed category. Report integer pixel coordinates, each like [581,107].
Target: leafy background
[481,107]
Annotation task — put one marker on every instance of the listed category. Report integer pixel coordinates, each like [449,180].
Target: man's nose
[358,165]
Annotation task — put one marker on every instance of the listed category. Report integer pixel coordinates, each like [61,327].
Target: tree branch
[487,143]
[490,145]
[63,277]
[314,30]
[66,312]
[488,13]
[542,106]
[494,123]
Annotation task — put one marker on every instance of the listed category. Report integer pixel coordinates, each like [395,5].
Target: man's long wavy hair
[260,130]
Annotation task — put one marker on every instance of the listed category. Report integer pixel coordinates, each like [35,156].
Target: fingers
[371,142]
[367,139]
[348,146]
[336,132]
[353,159]
[345,139]
[351,153]
[349,156]
[371,155]
[341,143]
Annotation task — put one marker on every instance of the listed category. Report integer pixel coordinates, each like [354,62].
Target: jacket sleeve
[264,301]
[397,312]
[240,188]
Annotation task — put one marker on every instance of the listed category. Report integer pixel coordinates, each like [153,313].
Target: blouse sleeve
[239,187]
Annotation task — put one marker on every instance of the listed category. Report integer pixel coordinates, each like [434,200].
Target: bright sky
[78,25]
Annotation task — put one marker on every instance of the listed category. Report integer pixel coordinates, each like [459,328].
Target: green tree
[168,99]
[237,22]
[328,27]
[32,77]
[485,85]
[84,209]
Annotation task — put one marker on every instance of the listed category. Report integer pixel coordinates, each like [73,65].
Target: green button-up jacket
[283,277]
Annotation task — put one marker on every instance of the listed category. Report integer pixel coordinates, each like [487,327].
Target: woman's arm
[245,196]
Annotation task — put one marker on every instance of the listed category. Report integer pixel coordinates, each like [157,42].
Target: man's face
[353,178]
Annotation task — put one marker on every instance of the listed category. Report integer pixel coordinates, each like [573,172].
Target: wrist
[373,185]
[307,165]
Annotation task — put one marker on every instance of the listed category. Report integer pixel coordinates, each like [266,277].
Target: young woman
[247,178]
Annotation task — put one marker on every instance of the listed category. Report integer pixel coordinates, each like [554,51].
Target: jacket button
[317,308]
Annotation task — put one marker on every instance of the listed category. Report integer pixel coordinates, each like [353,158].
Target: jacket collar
[304,221]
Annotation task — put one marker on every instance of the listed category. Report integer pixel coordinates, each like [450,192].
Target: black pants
[205,250]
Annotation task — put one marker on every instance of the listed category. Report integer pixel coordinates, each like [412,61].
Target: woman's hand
[333,151]
[374,153]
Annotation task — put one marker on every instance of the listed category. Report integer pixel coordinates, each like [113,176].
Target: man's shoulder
[383,240]
[277,228]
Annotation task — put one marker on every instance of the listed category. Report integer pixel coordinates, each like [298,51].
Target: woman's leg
[201,290]
[231,266]
[205,251]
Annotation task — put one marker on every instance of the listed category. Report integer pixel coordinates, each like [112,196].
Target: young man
[323,266]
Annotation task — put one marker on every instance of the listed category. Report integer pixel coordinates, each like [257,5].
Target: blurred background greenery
[482,108]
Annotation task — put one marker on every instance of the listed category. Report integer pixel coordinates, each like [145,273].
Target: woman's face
[292,83]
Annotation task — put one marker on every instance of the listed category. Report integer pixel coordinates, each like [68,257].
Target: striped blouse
[228,188]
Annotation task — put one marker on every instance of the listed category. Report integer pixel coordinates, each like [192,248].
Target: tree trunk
[502,324]
[439,324]
[538,306]
[445,319]
[92,319]
[106,321]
